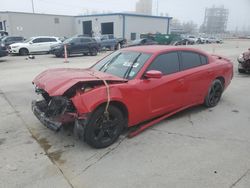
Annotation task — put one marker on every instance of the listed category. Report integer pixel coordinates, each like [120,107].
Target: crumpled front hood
[57,81]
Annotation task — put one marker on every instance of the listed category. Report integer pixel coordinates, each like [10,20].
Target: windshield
[136,41]
[124,64]
[28,40]
[69,40]
[3,38]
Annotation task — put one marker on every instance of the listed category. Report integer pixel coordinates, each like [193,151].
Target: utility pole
[157,7]
[33,9]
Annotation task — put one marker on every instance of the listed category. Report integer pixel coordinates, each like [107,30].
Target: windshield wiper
[131,66]
[107,65]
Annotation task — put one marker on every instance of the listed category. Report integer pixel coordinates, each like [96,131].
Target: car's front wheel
[214,94]
[103,130]
[23,51]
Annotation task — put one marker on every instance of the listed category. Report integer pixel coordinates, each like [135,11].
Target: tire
[63,55]
[23,51]
[214,94]
[93,52]
[58,55]
[241,71]
[100,132]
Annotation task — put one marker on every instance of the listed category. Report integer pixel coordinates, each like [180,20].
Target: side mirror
[30,42]
[153,74]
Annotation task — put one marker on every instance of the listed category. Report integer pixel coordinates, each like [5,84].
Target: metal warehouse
[128,26]
[124,25]
[29,24]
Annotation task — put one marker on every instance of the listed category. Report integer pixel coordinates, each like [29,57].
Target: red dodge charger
[137,86]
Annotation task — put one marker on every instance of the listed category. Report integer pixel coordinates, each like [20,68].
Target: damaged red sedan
[137,86]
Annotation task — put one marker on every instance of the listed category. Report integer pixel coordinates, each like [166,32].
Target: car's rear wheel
[93,52]
[214,94]
[103,130]
[241,71]
[23,51]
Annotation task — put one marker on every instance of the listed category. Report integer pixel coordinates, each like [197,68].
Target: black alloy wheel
[23,51]
[214,94]
[103,130]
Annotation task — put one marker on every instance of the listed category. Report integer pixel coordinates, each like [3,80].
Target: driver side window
[166,63]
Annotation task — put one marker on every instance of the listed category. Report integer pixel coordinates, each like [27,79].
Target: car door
[85,45]
[164,94]
[35,45]
[45,44]
[196,76]
[75,46]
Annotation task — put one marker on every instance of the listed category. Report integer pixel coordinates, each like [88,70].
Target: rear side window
[190,60]
[37,40]
[166,63]
[45,39]
[204,60]
[18,38]
[53,40]
[85,40]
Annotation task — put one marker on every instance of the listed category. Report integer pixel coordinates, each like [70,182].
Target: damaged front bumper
[38,110]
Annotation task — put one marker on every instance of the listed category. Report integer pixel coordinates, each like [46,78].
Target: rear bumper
[46,121]
[3,53]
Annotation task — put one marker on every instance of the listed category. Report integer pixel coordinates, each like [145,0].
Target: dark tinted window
[53,40]
[37,40]
[190,60]
[76,40]
[203,60]
[45,39]
[166,63]
[85,40]
[18,38]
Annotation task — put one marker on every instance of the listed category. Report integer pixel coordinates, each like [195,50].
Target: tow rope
[106,113]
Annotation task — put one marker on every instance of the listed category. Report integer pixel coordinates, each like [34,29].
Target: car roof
[43,37]
[156,49]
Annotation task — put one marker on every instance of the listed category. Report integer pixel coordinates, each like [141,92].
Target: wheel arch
[23,48]
[222,79]
[120,105]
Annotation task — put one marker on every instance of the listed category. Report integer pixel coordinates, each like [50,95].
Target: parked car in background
[201,40]
[142,42]
[210,40]
[110,42]
[182,41]
[34,45]
[244,62]
[76,45]
[128,87]
[3,52]
[192,39]
[8,40]
[106,43]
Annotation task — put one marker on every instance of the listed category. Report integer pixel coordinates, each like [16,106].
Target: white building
[144,7]
[124,25]
[30,24]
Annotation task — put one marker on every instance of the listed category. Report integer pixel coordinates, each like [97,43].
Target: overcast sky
[184,10]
